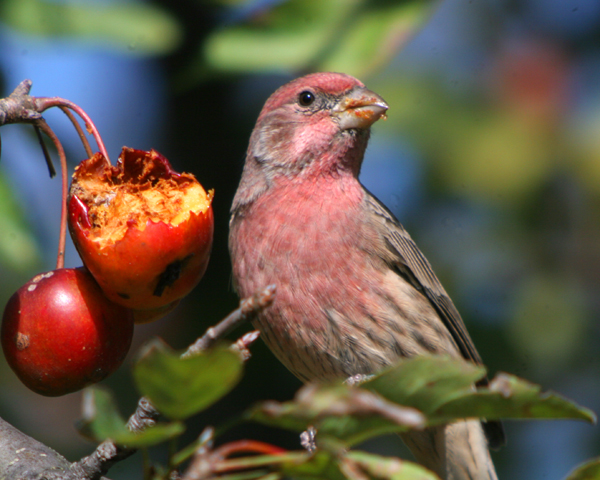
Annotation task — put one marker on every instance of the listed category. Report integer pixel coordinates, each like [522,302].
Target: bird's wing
[414,267]
[412,264]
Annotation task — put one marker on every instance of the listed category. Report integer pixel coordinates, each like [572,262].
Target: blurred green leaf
[588,471]
[288,35]
[337,410]
[139,28]
[338,465]
[476,149]
[224,2]
[377,32]
[352,36]
[320,465]
[18,248]
[101,421]
[390,468]
[550,320]
[180,387]
[584,151]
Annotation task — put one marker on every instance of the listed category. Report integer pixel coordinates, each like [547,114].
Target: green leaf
[390,468]
[178,387]
[442,388]
[550,318]
[353,36]
[588,471]
[426,382]
[339,411]
[101,421]
[321,465]
[337,465]
[510,397]
[378,31]
[134,27]
[288,35]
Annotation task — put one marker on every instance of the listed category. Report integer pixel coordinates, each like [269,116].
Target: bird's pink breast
[300,229]
[306,238]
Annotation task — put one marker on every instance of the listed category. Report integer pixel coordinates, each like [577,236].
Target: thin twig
[241,345]
[249,307]
[144,416]
[62,237]
[47,157]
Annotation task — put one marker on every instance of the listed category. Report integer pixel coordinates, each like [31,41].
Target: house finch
[354,293]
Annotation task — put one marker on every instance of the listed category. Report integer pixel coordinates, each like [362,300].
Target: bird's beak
[360,108]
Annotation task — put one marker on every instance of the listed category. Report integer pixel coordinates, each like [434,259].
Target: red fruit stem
[248,446]
[239,464]
[82,137]
[43,103]
[62,236]
[47,156]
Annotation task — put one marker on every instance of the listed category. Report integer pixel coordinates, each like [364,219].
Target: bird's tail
[458,451]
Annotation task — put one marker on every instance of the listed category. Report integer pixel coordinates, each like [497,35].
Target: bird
[354,292]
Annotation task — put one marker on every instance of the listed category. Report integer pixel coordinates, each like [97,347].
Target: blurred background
[490,157]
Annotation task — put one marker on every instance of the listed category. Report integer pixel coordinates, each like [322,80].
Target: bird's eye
[306,98]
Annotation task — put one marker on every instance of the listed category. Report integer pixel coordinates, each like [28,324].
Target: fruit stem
[47,156]
[43,103]
[41,124]
[82,137]
[252,446]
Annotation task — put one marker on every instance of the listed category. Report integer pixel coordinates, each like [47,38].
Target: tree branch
[23,458]
[19,106]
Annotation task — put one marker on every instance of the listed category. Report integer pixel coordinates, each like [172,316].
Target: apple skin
[147,269]
[60,333]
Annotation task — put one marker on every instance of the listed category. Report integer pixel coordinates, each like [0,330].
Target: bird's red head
[316,126]
[314,123]
[333,84]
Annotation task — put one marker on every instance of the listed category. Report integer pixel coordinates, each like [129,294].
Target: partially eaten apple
[143,230]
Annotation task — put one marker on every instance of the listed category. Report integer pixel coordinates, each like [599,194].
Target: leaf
[101,421]
[288,35]
[379,30]
[344,412]
[587,471]
[511,397]
[179,388]
[135,27]
[353,465]
[321,465]
[390,468]
[550,318]
[442,388]
[353,36]
[426,382]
